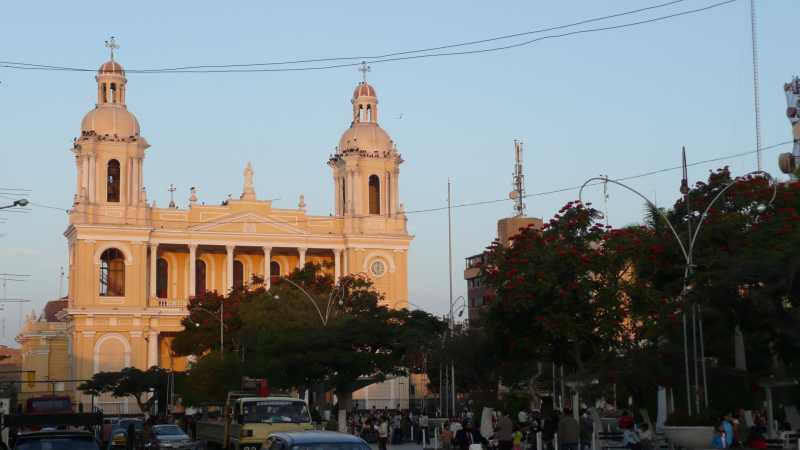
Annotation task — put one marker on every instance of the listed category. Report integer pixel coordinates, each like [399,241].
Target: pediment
[249,223]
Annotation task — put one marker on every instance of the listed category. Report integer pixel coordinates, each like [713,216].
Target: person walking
[504,432]
[383,433]
[467,436]
[569,431]
[447,436]
[423,428]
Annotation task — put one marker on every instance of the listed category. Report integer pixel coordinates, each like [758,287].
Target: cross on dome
[364,68]
[112,45]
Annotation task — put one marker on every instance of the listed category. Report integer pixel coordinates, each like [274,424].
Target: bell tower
[366,165]
[109,153]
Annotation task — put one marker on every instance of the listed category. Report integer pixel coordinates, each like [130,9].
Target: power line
[461,205]
[396,56]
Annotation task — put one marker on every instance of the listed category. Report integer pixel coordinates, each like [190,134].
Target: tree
[558,295]
[210,379]
[129,382]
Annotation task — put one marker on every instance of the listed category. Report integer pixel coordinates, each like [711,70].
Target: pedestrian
[517,438]
[646,437]
[383,433]
[130,437]
[504,432]
[569,431]
[423,428]
[446,436]
[727,427]
[630,438]
[719,440]
[587,430]
[397,428]
[467,436]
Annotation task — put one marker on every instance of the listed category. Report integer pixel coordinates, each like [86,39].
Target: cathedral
[134,266]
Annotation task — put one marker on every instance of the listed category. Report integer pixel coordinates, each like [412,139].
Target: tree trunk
[345,403]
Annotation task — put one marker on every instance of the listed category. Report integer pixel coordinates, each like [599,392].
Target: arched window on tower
[369,113]
[112,181]
[200,278]
[114,93]
[274,269]
[104,96]
[162,278]
[112,273]
[238,274]
[374,194]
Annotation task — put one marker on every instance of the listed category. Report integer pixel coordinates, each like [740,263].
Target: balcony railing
[168,303]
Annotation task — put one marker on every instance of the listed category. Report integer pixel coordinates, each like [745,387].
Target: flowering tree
[558,293]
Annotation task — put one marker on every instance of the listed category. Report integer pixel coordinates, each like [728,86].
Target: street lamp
[687,254]
[332,302]
[21,203]
[221,323]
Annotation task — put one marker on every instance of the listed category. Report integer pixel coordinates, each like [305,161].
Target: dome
[111,67]
[365,136]
[364,90]
[110,119]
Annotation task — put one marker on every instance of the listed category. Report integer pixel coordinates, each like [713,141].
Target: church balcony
[173,304]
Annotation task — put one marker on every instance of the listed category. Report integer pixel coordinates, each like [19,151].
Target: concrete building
[133,266]
[477,291]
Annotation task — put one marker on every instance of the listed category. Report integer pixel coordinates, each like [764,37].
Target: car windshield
[275,411]
[331,446]
[168,430]
[57,443]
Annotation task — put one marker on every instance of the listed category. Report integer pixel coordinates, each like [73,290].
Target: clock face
[377,268]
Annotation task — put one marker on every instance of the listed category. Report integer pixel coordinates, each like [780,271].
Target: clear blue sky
[618,103]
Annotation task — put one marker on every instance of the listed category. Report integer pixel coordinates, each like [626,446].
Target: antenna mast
[756,95]
[518,181]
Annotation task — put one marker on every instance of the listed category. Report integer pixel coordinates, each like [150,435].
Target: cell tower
[518,182]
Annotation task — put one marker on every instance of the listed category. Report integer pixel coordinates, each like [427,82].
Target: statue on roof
[790,162]
[248,193]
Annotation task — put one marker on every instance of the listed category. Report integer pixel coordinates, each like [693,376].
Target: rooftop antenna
[171,195]
[518,181]
[756,99]
[605,198]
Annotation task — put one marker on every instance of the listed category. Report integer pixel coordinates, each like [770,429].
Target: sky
[619,102]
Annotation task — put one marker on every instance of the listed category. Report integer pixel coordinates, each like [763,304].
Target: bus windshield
[275,411]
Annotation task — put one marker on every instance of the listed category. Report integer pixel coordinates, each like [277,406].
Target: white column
[85,174]
[348,194]
[192,269]
[153,265]
[152,349]
[139,178]
[345,268]
[302,261]
[396,191]
[229,267]
[337,264]
[134,182]
[92,177]
[267,260]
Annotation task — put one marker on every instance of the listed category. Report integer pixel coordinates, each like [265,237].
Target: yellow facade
[133,266]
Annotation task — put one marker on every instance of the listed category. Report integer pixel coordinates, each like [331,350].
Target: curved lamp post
[214,315]
[324,317]
[687,252]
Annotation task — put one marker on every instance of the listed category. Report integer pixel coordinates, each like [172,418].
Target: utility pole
[450,279]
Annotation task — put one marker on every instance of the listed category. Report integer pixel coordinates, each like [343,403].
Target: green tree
[129,382]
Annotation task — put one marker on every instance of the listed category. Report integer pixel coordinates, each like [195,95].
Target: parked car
[313,440]
[56,440]
[168,437]
[119,433]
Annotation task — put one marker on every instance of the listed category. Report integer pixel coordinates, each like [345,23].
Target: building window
[112,273]
[162,278]
[374,194]
[238,274]
[112,181]
[378,268]
[200,278]
[274,269]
